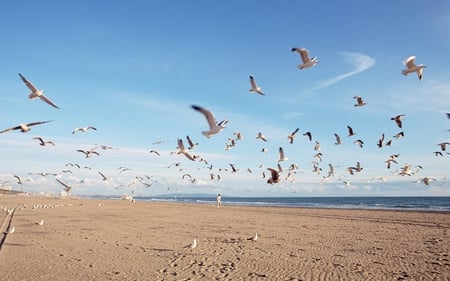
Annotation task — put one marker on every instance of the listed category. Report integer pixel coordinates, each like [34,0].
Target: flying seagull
[42,142]
[275,176]
[398,119]
[183,150]
[307,61]
[67,188]
[291,136]
[24,127]
[255,87]
[359,101]
[261,136]
[214,127]
[84,129]
[412,67]
[36,93]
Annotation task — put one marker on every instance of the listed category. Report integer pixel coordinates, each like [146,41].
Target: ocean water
[390,203]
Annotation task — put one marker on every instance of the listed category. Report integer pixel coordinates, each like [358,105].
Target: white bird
[42,142]
[84,129]
[214,127]
[36,93]
[183,150]
[282,157]
[412,67]
[23,127]
[192,245]
[261,136]
[12,230]
[40,223]
[255,87]
[254,237]
[307,61]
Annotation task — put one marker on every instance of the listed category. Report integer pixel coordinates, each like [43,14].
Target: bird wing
[208,115]
[191,143]
[10,129]
[36,123]
[181,145]
[304,54]
[409,62]
[48,101]
[281,152]
[28,83]
[65,185]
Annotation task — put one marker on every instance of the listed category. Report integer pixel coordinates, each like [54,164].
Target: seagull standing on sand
[36,93]
[192,245]
[307,61]
[412,67]
[214,127]
[23,127]
[254,237]
[255,87]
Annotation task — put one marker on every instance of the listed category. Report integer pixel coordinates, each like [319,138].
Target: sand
[85,239]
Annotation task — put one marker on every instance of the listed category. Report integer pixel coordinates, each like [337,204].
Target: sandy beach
[83,239]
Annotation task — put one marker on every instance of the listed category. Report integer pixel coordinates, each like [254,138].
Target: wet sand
[83,239]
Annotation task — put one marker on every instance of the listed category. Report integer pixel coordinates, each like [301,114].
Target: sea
[388,203]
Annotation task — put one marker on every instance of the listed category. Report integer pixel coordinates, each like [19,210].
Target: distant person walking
[219,200]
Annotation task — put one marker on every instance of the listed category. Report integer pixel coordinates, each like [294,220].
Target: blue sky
[132,69]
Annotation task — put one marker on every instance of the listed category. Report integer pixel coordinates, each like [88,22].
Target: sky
[132,69]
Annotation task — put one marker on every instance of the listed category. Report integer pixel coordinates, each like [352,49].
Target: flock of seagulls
[275,174]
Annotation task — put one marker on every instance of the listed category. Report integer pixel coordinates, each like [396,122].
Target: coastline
[119,240]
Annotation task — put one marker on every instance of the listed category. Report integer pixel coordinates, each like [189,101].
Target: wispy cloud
[360,61]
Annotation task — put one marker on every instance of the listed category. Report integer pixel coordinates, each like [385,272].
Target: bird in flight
[42,142]
[412,67]
[214,127]
[359,101]
[304,55]
[36,93]
[23,127]
[398,119]
[84,129]
[255,87]
[291,136]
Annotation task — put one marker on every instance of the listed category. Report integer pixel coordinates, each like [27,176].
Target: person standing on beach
[219,200]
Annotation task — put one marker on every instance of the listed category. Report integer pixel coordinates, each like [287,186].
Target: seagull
[67,188]
[84,129]
[360,143]
[292,136]
[275,176]
[192,145]
[40,223]
[42,142]
[412,67]
[350,131]
[12,230]
[307,61]
[214,127]
[380,141]
[398,119]
[399,135]
[192,245]
[389,161]
[261,136]
[359,101]
[443,145]
[255,87]
[309,135]
[24,127]
[282,157]
[88,153]
[358,168]
[254,237]
[426,180]
[36,93]
[238,135]
[183,150]
[338,139]
[155,152]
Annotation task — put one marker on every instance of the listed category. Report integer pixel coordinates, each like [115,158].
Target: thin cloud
[360,61]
